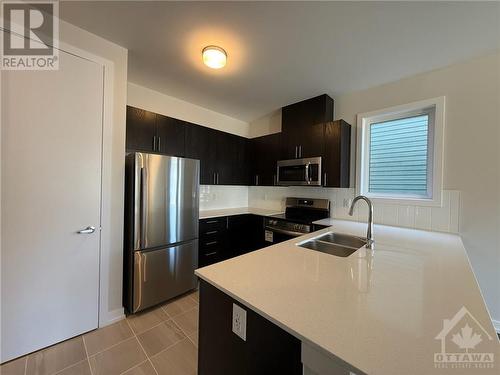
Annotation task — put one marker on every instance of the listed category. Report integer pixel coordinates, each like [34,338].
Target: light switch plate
[240,322]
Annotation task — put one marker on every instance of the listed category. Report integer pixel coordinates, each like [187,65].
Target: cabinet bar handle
[324,179]
[257,179]
[212,221]
[211,232]
[211,243]
[210,254]
[217,178]
[300,151]
[159,143]
[154,142]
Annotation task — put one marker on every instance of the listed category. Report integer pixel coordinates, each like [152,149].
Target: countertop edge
[208,214]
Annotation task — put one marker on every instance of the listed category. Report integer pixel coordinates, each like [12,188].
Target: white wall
[154,101]
[113,170]
[472,150]
[269,124]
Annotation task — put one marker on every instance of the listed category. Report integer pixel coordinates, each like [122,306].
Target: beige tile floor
[160,341]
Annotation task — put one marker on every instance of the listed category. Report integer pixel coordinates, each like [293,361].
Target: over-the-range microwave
[299,172]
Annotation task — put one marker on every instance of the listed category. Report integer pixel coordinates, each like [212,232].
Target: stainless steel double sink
[341,245]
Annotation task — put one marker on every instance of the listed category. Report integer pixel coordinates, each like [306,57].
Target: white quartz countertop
[206,214]
[379,312]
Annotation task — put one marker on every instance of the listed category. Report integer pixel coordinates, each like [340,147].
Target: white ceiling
[283,52]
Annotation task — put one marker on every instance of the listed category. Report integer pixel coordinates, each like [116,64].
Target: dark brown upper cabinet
[201,144]
[151,132]
[303,127]
[227,159]
[337,154]
[224,158]
[232,160]
[265,152]
[171,136]
[141,130]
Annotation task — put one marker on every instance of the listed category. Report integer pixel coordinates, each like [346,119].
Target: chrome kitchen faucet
[369,233]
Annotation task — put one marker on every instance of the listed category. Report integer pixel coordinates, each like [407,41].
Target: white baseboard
[496,325]
[111,317]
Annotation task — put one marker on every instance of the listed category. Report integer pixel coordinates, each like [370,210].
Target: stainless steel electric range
[297,220]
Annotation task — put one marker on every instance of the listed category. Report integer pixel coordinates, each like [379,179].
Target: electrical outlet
[240,322]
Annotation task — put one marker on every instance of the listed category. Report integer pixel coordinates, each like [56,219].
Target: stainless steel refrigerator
[161,228]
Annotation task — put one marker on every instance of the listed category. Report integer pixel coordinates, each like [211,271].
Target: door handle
[88,230]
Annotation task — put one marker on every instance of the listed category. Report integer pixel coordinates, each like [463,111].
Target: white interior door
[50,189]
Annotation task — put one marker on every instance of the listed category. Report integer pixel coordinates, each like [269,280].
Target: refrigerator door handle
[143,203]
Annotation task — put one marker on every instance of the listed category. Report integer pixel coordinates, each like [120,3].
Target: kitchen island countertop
[378,311]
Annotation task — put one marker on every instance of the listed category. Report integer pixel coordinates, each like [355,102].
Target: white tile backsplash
[440,216]
[406,216]
[443,219]
[214,197]
[423,218]
[390,214]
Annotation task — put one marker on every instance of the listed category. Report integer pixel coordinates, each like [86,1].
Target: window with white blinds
[400,153]
[399,156]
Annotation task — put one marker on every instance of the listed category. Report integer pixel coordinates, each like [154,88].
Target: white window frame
[436,108]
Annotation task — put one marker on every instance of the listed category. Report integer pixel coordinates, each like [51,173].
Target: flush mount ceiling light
[214,57]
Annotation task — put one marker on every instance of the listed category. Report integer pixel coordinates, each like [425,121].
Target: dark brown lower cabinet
[245,234]
[268,350]
[226,237]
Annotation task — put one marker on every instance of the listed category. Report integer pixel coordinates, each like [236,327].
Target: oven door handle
[308,179]
[284,231]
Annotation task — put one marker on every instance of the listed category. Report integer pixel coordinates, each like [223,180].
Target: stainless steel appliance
[161,228]
[297,220]
[303,172]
